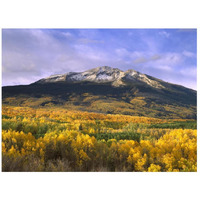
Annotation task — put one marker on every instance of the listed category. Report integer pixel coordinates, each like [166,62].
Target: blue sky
[32,54]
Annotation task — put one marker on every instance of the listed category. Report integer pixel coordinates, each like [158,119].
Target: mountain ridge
[107,90]
[101,75]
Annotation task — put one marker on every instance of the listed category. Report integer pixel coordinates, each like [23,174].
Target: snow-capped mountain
[107,90]
[105,74]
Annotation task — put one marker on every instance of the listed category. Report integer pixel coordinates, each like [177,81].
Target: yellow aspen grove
[62,140]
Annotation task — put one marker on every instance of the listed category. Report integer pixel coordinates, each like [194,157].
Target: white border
[100,14]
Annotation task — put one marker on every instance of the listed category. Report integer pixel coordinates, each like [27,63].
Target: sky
[31,54]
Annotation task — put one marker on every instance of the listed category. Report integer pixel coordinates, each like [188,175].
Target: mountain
[103,75]
[107,90]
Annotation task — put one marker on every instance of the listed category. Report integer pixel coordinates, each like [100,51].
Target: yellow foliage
[154,168]
[67,134]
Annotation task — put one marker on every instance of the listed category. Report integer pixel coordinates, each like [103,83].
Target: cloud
[163,67]
[67,34]
[170,58]
[189,71]
[169,66]
[164,34]
[122,52]
[188,77]
[146,59]
[31,54]
[140,60]
[89,41]
[85,51]
[189,54]
[155,57]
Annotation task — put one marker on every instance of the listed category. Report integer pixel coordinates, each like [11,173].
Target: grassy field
[56,139]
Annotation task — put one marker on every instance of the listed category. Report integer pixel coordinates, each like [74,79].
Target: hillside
[106,90]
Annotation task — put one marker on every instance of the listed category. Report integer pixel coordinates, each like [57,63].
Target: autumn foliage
[62,140]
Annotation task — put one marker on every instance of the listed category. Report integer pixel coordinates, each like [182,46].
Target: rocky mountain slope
[103,75]
[107,90]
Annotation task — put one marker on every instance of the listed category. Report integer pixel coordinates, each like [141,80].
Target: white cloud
[32,54]
[164,33]
[88,52]
[149,58]
[146,58]
[170,59]
[163,67]
[29,55]
[138,54]
[122,52]
[189,71]
[67,34]
[189,54]
[89,41]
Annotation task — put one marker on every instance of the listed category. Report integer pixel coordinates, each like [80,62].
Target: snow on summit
[104,74]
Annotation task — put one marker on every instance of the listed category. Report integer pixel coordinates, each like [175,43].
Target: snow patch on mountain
[104,77]
[104,74]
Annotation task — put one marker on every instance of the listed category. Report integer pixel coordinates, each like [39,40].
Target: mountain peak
[105,74]
[110,90]
[103,68]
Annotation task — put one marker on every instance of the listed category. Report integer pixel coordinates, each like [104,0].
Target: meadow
[57,139]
